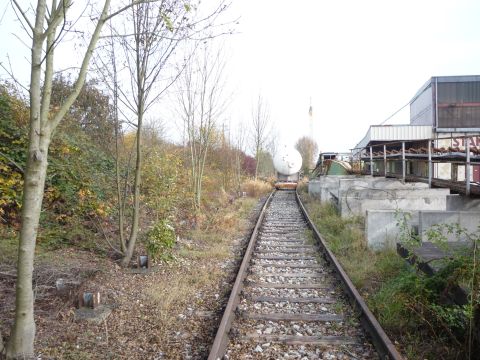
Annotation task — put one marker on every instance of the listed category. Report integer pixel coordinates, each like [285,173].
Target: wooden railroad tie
[300,340]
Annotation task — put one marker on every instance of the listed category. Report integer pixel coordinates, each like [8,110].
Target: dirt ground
[169,312]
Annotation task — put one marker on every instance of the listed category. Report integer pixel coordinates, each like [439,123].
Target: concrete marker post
[403,162]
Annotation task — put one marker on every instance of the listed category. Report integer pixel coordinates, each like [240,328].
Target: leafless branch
[12,76]
[24,15]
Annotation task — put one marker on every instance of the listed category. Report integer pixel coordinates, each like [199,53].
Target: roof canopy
[385,133]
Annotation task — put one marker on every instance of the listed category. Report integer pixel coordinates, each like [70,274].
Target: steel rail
[221,338]
[380,340]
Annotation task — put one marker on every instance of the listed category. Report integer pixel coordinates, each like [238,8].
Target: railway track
[292,300]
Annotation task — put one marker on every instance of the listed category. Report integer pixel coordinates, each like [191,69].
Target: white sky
[359,61]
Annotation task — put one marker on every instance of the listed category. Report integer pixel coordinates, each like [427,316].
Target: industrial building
[429,168]
[440,146]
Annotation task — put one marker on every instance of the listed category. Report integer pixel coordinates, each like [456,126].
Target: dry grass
[366,268]
[256,188]
[202,270]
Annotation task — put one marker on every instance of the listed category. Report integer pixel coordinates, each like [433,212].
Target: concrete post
[385,160]
[371,161]
[430,167]
[467,166]
[404,170]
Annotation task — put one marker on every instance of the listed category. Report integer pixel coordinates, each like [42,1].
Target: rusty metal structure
[442,161]
[440,146]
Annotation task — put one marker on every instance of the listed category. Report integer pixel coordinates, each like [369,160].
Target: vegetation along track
[291,297]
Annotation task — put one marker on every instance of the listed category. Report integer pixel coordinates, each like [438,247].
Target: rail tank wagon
[287,163]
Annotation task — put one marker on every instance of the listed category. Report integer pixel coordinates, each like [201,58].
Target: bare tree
[239,148]
[148,48]
[147,53]
[260,124]
[308,148]
[201,104]
[45,34]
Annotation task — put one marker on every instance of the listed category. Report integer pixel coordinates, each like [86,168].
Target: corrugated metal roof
[387,133]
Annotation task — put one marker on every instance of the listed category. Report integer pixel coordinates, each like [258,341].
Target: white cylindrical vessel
[287,161]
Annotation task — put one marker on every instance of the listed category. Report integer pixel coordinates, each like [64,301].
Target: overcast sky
[358,61]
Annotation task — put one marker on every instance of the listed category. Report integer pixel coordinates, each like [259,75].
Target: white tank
[287,161]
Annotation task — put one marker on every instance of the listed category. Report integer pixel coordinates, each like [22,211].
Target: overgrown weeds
[256,188]
[412,307]
[345,238]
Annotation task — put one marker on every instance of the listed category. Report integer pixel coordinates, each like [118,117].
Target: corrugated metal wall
[459,105]
[400,132]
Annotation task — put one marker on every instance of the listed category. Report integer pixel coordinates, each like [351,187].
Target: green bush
[160,241]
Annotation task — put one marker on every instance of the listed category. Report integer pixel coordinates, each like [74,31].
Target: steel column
[371,161]
[385,160]
[467,166]
[430,167]
[403,162]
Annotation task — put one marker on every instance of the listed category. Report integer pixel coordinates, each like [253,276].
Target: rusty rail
[221,338]
[380,340]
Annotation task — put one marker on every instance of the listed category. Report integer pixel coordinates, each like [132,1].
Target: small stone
[268,331]
[258,349]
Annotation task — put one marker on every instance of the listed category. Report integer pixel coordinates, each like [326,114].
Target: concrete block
[381,229]
[314,188]
[357,202]
[457,202]
[326,187]
[469,220]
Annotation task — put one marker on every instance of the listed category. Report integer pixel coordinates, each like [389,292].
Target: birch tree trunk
[42,125]
[260,122]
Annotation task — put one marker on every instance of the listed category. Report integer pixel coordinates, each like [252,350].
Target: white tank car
[287,163]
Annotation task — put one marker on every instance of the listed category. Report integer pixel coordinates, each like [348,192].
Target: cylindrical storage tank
[287,161]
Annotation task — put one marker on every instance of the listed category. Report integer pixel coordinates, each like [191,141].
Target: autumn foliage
[80,199]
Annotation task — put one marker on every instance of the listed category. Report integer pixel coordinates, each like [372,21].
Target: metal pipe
[371,161]
[467,166]
[430,167]
[403,161]
[385,160]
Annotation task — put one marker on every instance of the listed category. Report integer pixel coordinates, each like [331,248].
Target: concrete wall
[314,188]
[357,202]
[326,187]
[381,230]
[462,203]
[468,220]
[378,199]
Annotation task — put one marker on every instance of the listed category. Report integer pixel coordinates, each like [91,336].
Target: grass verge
[405,303]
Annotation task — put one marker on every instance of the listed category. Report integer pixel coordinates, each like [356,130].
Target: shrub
[160,241]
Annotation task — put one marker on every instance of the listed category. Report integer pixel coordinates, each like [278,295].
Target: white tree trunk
[23,332]
[22,336]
